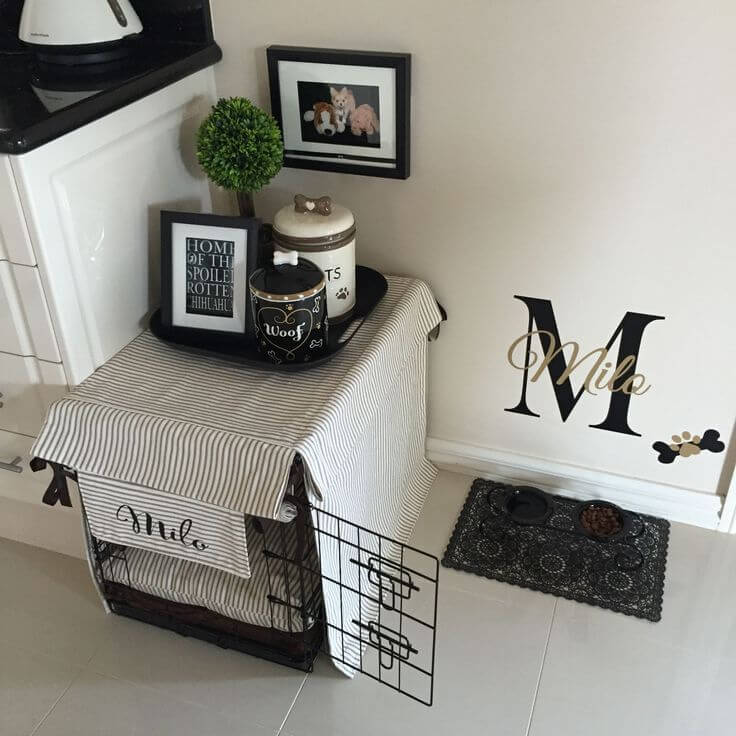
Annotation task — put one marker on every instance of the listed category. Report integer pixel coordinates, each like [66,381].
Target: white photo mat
[292,72]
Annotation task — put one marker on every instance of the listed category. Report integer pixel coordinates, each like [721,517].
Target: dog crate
[319,583]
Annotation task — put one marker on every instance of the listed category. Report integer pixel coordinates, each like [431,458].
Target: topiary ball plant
[239,148]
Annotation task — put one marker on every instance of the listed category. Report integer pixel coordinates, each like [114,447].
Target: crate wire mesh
[368,601]
[383,593]
[274,614]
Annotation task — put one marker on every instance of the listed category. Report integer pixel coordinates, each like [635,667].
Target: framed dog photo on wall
[206,261]
[346,111]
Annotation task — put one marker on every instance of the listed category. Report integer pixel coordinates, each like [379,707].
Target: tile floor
[509,661]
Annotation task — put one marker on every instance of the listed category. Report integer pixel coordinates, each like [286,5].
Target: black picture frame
[250,225]
[348,164]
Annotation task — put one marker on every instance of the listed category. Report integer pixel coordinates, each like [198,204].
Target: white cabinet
[79,269]
[27,387]
[15,243]
[25,323]
[22,515]
[17,480]
[92,200]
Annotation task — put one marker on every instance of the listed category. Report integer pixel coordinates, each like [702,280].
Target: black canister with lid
[289,309]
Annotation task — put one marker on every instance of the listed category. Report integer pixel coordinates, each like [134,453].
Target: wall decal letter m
[630,330]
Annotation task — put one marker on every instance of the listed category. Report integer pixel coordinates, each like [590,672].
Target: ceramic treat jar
[324,233]
[289,309]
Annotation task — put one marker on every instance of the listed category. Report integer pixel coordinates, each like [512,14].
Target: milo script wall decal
[210,277]
[594,369]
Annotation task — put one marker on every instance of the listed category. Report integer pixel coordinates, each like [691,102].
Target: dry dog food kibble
[601,521]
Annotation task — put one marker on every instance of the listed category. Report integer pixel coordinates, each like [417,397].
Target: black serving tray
[371,287]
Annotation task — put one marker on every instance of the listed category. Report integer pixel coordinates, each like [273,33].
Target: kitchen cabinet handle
[13,466]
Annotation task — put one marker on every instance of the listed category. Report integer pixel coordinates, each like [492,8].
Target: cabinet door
[23,516]
[17,480]
[93,200]
[26,329]
[15,243]
[27,387]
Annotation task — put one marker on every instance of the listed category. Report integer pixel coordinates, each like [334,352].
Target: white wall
[578,151]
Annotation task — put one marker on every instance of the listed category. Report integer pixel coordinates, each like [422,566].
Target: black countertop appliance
[41,101]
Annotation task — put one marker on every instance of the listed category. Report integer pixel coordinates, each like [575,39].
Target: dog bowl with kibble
[602,520]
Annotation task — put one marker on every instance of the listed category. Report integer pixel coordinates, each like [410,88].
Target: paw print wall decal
[687,445]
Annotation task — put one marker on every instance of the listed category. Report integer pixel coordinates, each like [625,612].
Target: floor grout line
[154,689]
[291,707]
[541,670]
[56,702]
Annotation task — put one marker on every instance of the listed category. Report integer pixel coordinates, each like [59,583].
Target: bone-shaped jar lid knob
[310,220]
[285,257]
[317,206]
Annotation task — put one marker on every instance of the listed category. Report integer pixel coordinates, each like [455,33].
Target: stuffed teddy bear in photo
[325,120]
[364,119]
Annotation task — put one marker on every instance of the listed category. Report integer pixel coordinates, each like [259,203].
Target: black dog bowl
[527,505]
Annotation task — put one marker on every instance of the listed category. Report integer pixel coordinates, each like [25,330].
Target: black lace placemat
[625,575]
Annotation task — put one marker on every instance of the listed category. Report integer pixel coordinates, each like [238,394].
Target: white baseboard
[671,502]
[728,515]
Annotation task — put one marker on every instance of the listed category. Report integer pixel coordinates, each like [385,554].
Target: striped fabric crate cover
[201,427]
[183,581]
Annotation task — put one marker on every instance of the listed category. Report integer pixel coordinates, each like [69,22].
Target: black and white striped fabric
[205,428]
[185,528]
[381,487]
[183,581]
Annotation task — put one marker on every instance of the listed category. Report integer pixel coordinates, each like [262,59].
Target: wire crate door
[380,599]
